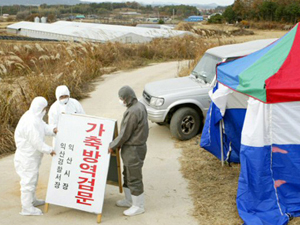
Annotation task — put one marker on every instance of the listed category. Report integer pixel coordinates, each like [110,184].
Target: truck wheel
[185,123]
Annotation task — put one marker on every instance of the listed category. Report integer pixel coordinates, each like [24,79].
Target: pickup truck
[182,103]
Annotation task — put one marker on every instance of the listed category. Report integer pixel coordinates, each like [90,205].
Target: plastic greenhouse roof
[101,32]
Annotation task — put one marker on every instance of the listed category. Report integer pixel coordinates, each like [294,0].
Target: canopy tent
[269,74]
[221,134]
[269,182]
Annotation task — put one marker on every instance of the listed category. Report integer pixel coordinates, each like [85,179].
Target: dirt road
[166,195]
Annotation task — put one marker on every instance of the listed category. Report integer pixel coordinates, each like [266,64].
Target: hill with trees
[263,10]
[98,9]
[39,2]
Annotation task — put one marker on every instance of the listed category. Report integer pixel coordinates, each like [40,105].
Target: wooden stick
[116,130]
[118,161]
[99,218]
[46,207]
[119,170]
[221,142]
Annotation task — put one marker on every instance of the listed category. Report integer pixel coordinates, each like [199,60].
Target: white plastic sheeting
[267,124]
[64,30]
[224,98]
[264,124]
[156,26]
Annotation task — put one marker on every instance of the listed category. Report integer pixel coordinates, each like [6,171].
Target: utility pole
[173,14]
[70,4]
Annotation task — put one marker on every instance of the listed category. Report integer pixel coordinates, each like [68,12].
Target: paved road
[166,195]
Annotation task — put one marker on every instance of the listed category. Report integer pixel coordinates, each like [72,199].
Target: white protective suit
[29,138]
[57,108]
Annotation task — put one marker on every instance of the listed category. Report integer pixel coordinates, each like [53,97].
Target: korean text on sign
[88,167]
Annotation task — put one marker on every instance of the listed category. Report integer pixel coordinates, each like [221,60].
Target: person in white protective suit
[63,104]
[29,138]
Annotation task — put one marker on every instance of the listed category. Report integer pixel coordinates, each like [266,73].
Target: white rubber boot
[38,202]
[127,202]
[31,211]
[137,206]
[28,209]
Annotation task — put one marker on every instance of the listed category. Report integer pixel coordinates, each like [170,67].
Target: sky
[186,2]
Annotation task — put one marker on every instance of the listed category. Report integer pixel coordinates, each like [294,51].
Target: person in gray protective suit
[132,141]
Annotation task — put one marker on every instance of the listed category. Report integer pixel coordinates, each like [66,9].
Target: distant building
[92,16]
[37,19]
[80,17]
[44,19]
[152,20]
[130,13]
[194,19]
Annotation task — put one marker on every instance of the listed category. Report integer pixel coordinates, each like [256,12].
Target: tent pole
[221,142]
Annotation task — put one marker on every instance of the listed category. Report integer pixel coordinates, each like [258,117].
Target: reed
[36,69]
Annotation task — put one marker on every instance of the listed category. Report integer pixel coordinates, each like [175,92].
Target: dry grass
[4,24]
[185,26]
[219,29]
[215,31]
[186,70]
[212,187]
[265,25]
[36,69]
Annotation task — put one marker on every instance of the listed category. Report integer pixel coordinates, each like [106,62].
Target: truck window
[231,59]
[206,68]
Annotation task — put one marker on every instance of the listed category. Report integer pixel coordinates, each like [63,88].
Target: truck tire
[185,123]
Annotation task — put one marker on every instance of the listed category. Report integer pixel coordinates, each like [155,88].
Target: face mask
[64,101]
[122,103]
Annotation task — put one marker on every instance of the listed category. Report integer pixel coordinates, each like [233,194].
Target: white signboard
[79,169]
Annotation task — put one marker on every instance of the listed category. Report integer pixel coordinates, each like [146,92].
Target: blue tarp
[194,19]
[267,195]
[233,123]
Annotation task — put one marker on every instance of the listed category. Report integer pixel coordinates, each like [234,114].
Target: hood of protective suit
[127,94]
[62,90]
[37,105]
